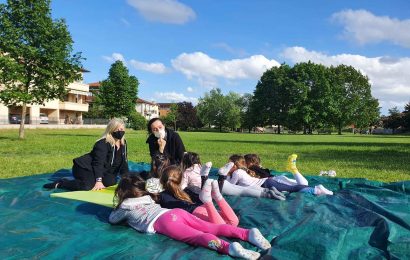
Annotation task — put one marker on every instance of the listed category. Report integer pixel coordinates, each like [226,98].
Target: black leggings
[85,180]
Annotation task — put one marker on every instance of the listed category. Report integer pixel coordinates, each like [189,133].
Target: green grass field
[384,158]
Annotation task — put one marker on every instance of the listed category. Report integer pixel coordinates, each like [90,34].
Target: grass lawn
[384,158]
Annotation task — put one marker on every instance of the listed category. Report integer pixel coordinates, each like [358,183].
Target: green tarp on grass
[365,220]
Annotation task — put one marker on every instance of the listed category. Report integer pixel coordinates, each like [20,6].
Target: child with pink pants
[135,206]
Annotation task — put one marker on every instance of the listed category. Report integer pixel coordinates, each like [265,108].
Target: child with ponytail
[136,206]
[201,204]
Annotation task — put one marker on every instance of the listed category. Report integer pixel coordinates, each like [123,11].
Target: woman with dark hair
[160,136]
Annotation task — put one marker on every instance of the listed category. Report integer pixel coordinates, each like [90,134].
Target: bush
[136,121]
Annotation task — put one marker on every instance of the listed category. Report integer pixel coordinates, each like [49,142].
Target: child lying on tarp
[239,174]
[195,201]
[195,174]
[138,208]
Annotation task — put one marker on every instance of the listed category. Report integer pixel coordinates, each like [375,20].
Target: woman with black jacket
[159,134]
[99,168]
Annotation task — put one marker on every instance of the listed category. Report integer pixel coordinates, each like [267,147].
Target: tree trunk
[340,129]
[279,129]
[23,119]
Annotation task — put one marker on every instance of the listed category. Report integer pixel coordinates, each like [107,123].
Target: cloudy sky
[180,49]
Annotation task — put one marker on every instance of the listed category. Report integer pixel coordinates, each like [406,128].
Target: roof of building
[142,101]
[165,105]
[95,84]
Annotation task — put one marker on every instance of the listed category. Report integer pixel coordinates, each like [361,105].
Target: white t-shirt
[242,178]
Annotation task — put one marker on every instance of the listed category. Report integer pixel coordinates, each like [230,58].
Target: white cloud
[174,97]
[114,57]
[189,89]
[165,11]
[364,27]
[207,70]
[389,77]
[157,68]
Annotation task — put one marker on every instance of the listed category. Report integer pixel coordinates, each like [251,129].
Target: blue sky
[181,49]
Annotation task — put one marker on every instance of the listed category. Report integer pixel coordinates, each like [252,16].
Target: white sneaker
[320,190]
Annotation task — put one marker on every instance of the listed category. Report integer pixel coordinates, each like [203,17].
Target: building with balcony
[68,111]
[147,109]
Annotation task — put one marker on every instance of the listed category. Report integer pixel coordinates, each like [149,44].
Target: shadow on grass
[346,144]
[374,136]
[69,134]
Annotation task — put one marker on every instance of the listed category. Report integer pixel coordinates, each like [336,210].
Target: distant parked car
[15,119]
[43,118]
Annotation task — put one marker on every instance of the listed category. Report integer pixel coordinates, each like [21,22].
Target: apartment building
[68,111]
[147,109]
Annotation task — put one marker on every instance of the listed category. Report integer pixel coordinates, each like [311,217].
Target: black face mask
[118,134]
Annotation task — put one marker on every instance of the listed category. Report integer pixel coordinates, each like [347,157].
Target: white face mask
[160,133]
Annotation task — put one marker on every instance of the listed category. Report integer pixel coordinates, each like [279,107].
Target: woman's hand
[98,186]
[161,143]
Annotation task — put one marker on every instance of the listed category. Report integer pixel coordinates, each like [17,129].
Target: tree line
[304,97]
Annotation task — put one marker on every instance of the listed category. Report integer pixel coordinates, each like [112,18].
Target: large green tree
[247,115]
[406,116]
[394,120]
[352,99]
[315,100]
[276,97]
[118,93]
[219,110]
[36,60]
[187,116]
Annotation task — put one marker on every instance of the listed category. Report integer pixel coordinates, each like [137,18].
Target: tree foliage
[172,116]
[36,60]
[394,120]
[311,96]
[215,109]
[118,93]
[136,121]
[187,116]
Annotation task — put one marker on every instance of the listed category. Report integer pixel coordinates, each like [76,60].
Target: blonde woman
[99,168]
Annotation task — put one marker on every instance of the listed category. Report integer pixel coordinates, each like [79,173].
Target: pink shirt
[191,177]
